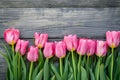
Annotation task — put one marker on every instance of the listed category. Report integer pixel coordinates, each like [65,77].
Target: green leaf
[46,69]
[97,70]
[39,76]
[53,77]
[83,74]
[78,68]
[8,52]
[9,65]
[107,78]
[108,61]
[70,75]
[41,58]
[56,72]
[65,74]
[35,72]
[15,66]
[91,74]
[102,72]
[83,61]
[23,69]
[117,69]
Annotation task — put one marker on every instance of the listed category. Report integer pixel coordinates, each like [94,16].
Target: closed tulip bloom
[32,54]
[40,39]
[91,47]
[101,49]
[49,49]
[113,38]
[71,42]
[11,35]
[60,49]
[82,47]
[21,46]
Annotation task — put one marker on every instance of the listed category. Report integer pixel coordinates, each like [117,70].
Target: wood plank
[57,22]
[58,3]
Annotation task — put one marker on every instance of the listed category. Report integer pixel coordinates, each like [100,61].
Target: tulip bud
[49,49]
[101,49]
[21,46]
[60,49]
[40,39]
[91,47]
[82,47]
[113,38]
[32,54]
[71,42]
[11,35]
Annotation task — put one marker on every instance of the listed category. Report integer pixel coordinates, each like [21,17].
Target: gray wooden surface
[59,3]
[57,22]
[86,18]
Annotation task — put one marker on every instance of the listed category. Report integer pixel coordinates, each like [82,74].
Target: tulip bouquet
[69,59]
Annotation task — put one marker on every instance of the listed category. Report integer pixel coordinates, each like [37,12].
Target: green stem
[30,73]
[19,65]
[13,51]
[112,62]
[74,65]
[88,60]
[98,69]
[88,65]
[79,68]
[61,67]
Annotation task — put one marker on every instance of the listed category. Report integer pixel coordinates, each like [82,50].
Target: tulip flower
[60,49]
[40,39]
[101,49]
[21,46]
[11,35]
[32,54]
[82,47]
[113,38]
[48,50]
[60,52]
[91,47]
[71,42]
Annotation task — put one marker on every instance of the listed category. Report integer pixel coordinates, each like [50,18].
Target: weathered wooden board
[57,22]
[58,3]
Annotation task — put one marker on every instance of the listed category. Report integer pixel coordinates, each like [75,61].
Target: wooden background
[86,18]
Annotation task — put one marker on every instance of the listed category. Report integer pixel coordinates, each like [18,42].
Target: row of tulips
[79,59]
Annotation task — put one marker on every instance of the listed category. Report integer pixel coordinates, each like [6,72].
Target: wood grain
[57,22]
[58,3]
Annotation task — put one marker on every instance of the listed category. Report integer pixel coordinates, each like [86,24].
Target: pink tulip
[71,42]
[32,54]
[101,49]
[91,47]
[49,49]
[11,35]
[60,49]
[82,47]
[21,46]
[113,38]
[40,39]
